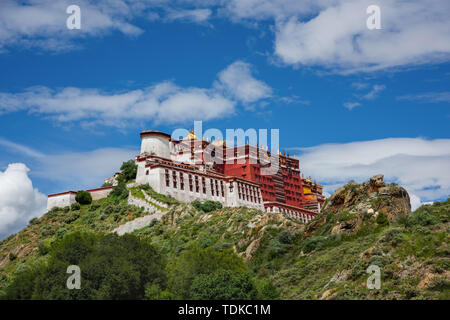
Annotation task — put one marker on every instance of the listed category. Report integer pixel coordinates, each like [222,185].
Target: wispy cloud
[376,89]
[429,97]
[194,15]
[351,105]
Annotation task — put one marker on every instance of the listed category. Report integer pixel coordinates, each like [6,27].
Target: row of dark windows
[193,181]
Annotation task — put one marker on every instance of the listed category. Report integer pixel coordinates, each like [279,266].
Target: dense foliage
[83,197]
[112,267]
[207,206]
[128,171]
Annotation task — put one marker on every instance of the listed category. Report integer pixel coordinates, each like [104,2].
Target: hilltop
[360,225]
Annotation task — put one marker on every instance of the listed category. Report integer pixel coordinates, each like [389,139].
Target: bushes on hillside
[382,219]
[120,191]
[83,197]
[112,267]
[195,262]
[206,206]
[224,285]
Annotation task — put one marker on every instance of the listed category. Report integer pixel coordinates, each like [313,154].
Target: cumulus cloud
[336,36]
[421,166]
[237,79]
[42,23]
[163,102]
[19,201]
[326,33]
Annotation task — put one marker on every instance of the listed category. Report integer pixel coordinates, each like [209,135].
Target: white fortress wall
[157,145]
[61,200]
[100,193]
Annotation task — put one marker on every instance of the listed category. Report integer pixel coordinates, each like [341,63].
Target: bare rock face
[376,182]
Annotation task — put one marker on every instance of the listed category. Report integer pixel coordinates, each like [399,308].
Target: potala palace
[192,168]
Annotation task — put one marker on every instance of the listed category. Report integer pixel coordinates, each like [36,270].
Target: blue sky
[349,101]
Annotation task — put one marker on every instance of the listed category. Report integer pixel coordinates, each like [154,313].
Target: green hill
[241,252]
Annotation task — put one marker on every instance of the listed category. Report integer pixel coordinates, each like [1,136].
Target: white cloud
[237,79]
[42,23]
[351,105]
[194,15]
[421,166]
[19,201]
[326,33]
[428,97]
[336,37]
[376,89]
[163,102]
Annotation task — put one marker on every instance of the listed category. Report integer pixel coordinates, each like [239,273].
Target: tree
[112,267]
[197,261]
[83,197]
[223,285]
[129,170]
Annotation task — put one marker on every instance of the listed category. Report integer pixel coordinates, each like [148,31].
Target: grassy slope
[414,259]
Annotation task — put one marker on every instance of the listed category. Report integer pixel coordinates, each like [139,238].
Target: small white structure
[61,200]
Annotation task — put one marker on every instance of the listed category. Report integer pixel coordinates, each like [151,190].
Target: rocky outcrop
[357,204]
[375,195]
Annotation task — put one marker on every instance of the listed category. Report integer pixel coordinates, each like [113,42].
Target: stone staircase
[149,206]
[153,200]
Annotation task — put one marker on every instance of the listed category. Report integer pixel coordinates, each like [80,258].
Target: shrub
[345,216]
[206,206]
[120,191]
[43,249]
[382,219]
[61,233]
[94,207]
[422,217]
[83,197]
[34,221]
[75,206]
[12,256]
[223,285]
[287,237]
[197,261]
[74,215]
[209,206]
[269,291]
